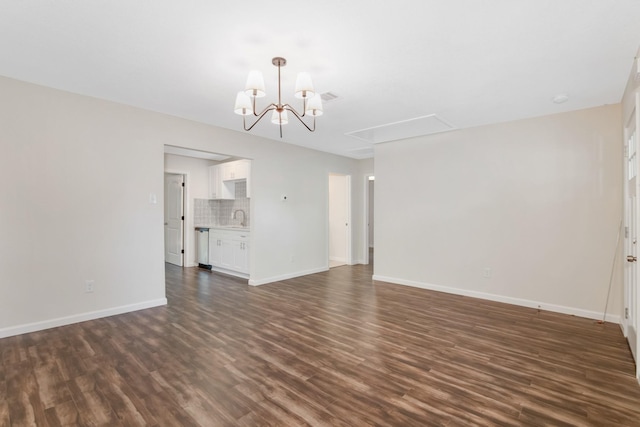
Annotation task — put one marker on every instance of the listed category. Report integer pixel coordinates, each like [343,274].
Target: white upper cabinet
[222,179]
[215,183]
[239,169]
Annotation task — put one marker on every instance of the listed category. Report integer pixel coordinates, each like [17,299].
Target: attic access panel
[419,126]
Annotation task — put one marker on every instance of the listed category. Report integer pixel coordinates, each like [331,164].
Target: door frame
[187,239]
[349,231]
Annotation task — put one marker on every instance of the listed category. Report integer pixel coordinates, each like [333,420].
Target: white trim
[229,272]
[339,259]
[499,298]
[287,276]
[76,318]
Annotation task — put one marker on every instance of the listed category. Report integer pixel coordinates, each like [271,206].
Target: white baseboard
[76,318]
[286,276]
[229,272]
[338,259]
[499,298]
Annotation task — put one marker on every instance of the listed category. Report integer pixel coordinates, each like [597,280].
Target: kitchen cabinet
[241,255]
[229,250]
[215,248]
[236,170]
[215,182]
[223,178]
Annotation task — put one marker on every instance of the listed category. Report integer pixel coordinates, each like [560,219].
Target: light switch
[153,199]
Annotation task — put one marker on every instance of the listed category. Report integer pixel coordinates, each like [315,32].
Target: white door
[631,232]
[631,276]
[339,220]
[173,218]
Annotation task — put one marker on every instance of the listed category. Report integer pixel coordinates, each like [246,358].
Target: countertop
[223,227]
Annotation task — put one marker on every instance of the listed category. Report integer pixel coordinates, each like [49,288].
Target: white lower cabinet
[215,248]
[241,255]
[229,250]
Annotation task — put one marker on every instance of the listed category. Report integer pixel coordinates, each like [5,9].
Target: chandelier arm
[269,107]
[299,117]
[261,115]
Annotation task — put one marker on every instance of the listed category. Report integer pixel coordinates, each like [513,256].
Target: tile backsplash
[220,212]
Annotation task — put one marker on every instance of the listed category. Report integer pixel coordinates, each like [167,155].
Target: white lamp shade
[280,118]
[243,104]
[304,86]
[255,84]
[314,106]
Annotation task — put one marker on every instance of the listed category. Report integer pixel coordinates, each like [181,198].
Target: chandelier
[246,100]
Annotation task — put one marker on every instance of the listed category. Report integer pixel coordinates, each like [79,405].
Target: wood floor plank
[329,349]
[4,413]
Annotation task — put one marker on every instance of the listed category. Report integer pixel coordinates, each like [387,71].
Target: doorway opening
[339,220]
[369,183]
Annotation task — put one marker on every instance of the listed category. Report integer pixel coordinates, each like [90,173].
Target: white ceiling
[467,62]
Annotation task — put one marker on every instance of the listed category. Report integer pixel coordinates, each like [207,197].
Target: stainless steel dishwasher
[203,248]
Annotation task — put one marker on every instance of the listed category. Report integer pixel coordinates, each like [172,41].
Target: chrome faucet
[243,223]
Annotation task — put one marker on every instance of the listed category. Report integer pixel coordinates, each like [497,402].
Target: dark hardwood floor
[331,349]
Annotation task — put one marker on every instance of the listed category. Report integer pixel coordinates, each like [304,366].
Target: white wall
[197,187]
[537,201]
[78,174]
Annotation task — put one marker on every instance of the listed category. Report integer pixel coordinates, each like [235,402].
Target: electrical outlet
[88,286]
[486,273]
[292,258]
